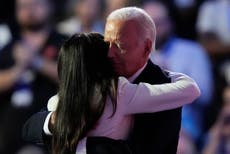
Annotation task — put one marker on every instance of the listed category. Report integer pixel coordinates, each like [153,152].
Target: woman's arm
[147,98]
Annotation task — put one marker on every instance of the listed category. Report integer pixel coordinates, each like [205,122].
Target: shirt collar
[135,75]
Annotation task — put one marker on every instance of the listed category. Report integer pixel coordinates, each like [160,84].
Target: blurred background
[193,37]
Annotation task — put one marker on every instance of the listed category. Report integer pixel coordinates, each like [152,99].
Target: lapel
[153,74]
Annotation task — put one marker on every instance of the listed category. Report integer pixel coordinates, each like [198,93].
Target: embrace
[112,99]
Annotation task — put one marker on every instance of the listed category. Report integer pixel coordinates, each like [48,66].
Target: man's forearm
[33,128]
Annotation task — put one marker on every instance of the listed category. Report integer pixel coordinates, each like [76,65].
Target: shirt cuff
[46,125]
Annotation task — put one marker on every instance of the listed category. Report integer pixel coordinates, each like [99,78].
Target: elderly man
[131,35]
[28,75]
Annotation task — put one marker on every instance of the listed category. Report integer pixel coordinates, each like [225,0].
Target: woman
[94,102]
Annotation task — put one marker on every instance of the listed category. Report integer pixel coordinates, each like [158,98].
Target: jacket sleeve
[32,131]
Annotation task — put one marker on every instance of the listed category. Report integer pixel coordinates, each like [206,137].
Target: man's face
[127,49]
[32,13]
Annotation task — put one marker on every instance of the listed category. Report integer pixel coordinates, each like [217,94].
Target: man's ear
[148,47]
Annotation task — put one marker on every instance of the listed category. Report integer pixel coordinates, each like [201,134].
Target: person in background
[112,5]
[86,18]
[28,75]
[218,139]
[184,56]
[5,35]
[214,36]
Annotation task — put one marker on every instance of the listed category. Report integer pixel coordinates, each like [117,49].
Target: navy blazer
[156,133]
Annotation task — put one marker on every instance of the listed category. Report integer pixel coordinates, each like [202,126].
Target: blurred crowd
[193,37]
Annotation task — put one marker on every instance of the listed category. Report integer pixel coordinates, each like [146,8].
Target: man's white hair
[147,25]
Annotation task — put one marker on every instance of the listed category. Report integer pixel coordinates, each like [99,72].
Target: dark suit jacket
[32,131]
[156,133]
[104,145]
[153,133]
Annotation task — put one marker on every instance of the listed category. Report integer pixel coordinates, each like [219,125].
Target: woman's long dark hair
[86,80]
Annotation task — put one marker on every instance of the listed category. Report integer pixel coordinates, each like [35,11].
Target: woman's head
[86,55]
[86,79]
